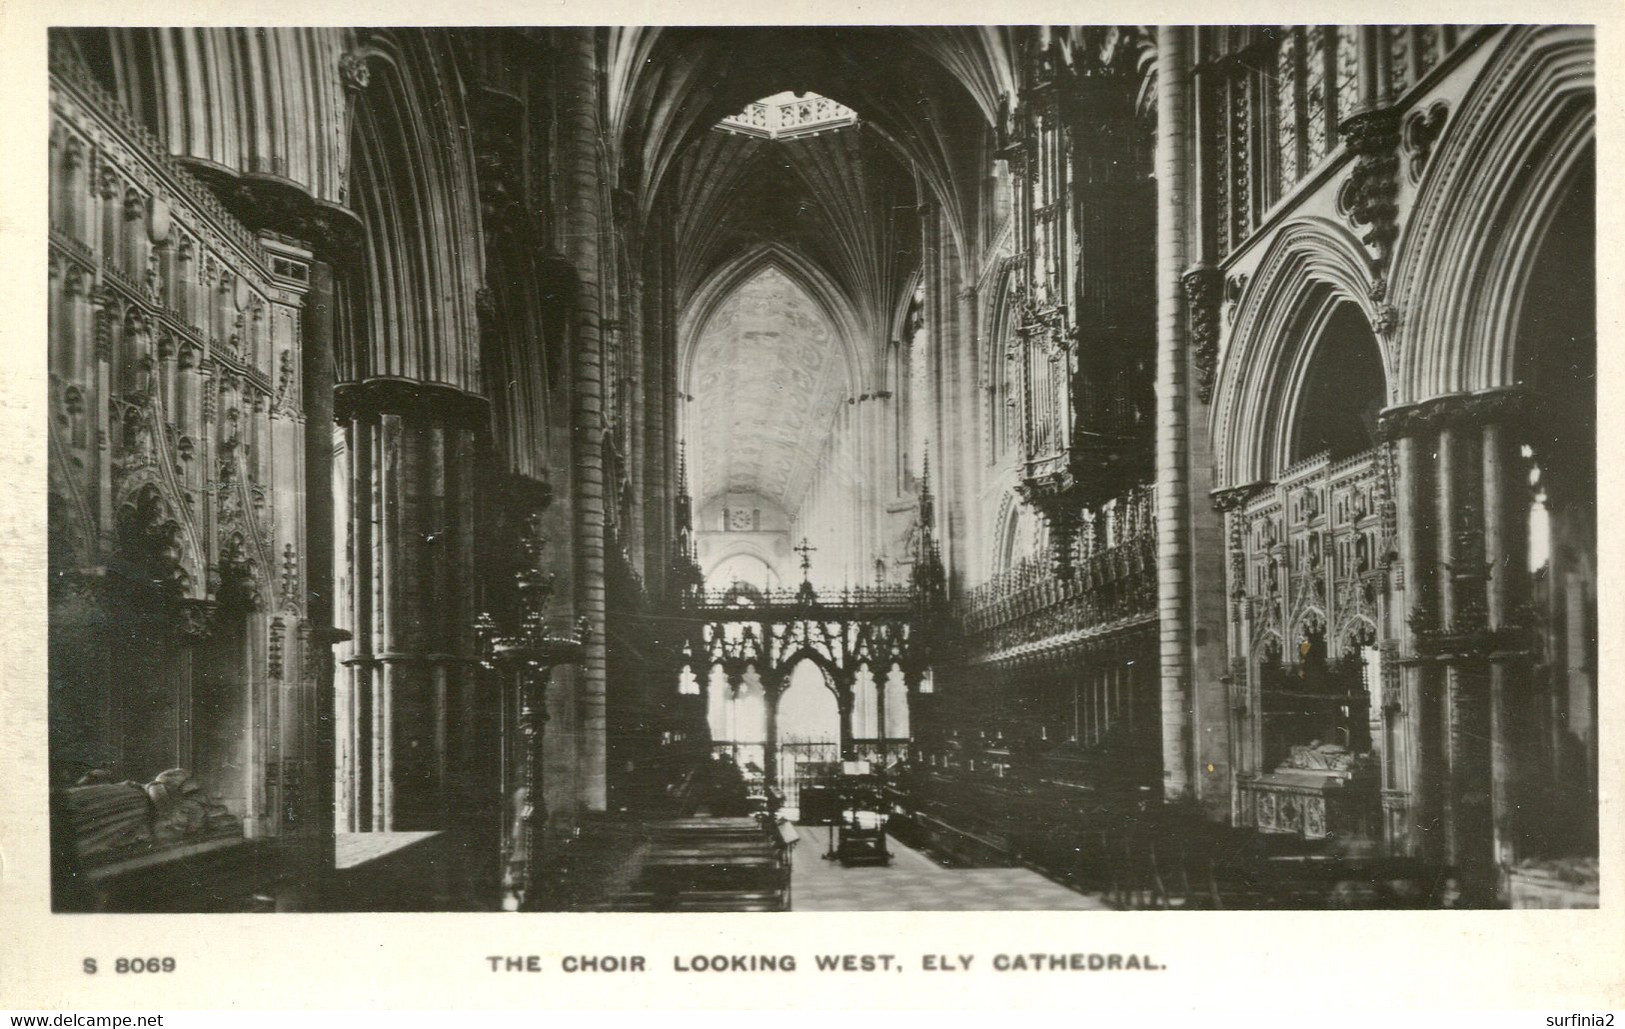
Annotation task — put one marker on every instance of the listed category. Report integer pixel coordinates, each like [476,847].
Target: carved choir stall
[1042,729]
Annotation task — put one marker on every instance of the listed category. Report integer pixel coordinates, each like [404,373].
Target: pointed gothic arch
[412,183]
[1311,268]
[832,673]
[998,329]
[807,275]
[1518,146]
[777,452]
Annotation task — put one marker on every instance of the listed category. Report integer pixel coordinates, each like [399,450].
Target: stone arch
[1309,621]
[1312,266]
[1498,176]
[997,330]
[804,273]
[1019,535]
[750,549]
[805,714]
[1355,632]
[832,672]
[1004,532]
[769,349]
[413,186]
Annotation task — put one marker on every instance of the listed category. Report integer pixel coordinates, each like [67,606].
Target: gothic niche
[150,543]
[1309,552]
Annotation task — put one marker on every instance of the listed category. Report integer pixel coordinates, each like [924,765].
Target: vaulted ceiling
[770,349]
[792,257]
[927,91]
[767,377]
[840,200]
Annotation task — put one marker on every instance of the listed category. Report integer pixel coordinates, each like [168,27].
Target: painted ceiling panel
[767,379]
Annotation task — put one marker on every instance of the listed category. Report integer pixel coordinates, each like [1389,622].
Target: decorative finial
[806,550]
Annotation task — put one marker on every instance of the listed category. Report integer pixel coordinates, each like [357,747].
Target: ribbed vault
[840,200]
[767,376]
[935,89]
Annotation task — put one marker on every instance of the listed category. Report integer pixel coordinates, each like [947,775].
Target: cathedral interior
[646,469]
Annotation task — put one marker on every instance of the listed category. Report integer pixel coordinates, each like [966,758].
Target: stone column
[358,443]
[1443,523]
[633,384]
[1504,556]
[1373,50]
[772,690]
[388,605]
[1173,500]
[316,352]
[1421,732]
[1462,559]
[411,451]
[656,391]
[1471,822]
[879,679]
[582,218]
[844,697]
[971,460]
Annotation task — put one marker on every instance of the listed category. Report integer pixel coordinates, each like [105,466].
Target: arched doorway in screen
[809,731]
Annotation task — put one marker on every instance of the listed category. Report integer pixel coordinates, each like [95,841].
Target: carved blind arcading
[1311,554]
[176,438]
[1277,97]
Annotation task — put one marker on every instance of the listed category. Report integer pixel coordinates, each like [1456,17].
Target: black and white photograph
[863,468]
[810,509]
[601,507]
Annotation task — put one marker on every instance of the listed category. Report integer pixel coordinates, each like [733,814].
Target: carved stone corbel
[1236,497]
[1204,289]
[1370,197]
[353,71]
[194,622]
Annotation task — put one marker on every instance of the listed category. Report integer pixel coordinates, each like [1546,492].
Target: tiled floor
[913,882]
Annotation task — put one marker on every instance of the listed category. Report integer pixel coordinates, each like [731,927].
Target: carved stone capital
[1236,497]
[1457,411]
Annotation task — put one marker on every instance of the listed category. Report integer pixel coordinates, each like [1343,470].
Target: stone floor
[913,882]
[353,849]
